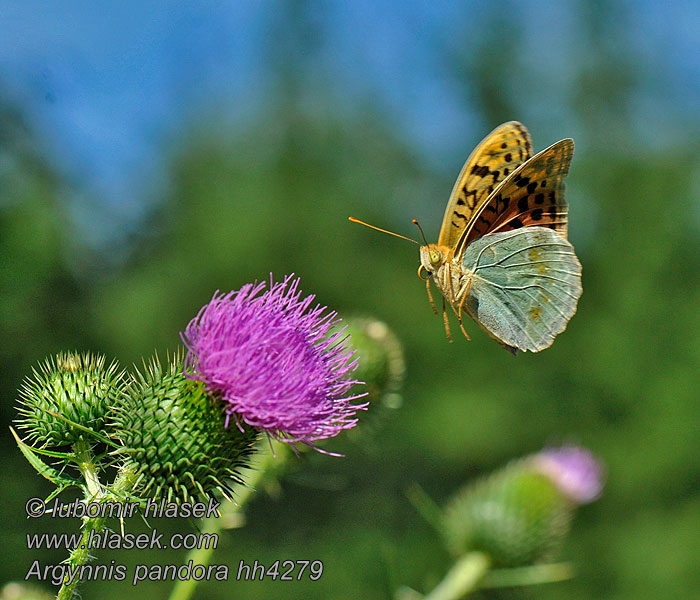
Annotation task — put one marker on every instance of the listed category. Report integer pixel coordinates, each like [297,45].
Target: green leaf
[425,506]
[54,476]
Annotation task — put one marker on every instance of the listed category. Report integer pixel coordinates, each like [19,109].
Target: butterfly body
[449,275]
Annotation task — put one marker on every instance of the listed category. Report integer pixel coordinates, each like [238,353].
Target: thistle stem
[79,556]
[83,459]
[532,575]
[462,578]
[266,459]
[93,493]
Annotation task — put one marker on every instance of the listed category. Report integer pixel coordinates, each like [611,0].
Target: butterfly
[502,255]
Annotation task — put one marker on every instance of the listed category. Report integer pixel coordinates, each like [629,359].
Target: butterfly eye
[434,257]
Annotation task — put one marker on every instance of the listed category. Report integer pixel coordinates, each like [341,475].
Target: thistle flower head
[271,359]
[521,513]
[574,470]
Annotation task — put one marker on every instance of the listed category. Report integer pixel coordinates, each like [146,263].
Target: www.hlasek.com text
[285,570]
[112,540]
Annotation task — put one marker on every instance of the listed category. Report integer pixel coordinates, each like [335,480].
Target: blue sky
[104,85]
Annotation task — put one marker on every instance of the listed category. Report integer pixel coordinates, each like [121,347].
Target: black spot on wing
[521,181]
[483,171]
[469,197]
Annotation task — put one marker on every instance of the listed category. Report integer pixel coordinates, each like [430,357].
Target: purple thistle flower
[574,470]
[270,358]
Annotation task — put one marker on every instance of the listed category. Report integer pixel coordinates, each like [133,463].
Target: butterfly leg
[447,323]
[459,314]
[430,295]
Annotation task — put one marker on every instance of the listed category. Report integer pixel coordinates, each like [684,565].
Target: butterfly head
[432,257]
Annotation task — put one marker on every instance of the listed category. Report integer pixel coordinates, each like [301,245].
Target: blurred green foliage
[274,197]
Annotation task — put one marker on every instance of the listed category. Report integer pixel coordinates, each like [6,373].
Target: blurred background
[151,153]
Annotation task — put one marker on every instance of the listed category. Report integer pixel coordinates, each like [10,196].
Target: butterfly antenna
[403,237]
[417,224]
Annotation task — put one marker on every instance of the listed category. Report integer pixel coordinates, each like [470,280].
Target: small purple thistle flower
[574,470]
[270,358]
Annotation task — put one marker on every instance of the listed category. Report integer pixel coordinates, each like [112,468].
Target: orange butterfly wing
[533,194]
[493,160]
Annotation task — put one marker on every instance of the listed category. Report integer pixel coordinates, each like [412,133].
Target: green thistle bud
[66,395]
[175,438]
[520,514]
[381,365]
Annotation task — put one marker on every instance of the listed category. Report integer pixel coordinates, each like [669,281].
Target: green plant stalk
[462,578]
[94,492]
[531,575]
[79,556]
[184,589]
